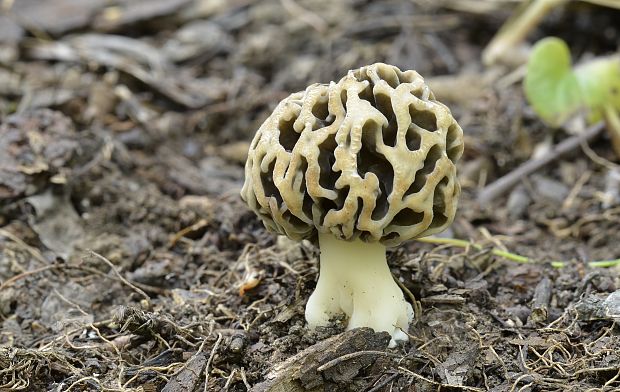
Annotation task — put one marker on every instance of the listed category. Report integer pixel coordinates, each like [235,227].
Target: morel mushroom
[358,165]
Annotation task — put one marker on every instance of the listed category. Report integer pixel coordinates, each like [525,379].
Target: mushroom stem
[355,279]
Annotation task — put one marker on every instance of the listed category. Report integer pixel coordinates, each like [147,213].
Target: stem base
[355,280]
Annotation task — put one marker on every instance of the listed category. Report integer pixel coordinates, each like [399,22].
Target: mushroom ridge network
[371,157]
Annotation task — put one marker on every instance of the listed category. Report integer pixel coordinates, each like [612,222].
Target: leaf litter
[129,263]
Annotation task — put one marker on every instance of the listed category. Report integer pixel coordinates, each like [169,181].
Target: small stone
[549,188]
[518,201]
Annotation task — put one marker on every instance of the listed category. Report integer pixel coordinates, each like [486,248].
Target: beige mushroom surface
[358,165]
[371,157]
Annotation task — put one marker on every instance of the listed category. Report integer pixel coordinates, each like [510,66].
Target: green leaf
[557,91]
[599,81]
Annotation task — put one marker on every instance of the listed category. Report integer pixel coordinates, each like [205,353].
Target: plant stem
[612,120]
[509,255]
[355,279]
[517,28]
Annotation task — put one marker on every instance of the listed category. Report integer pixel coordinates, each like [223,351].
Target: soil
[128,261]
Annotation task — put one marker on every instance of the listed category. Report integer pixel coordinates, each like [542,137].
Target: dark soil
[128,261]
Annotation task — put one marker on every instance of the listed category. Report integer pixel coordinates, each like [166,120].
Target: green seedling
[516,258]
[558,91]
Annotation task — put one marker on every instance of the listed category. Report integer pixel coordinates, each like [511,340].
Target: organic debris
[124,242]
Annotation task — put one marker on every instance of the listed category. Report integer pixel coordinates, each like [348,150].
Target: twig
[25,274]
[572,195]
[599,160]
[34,252]
[596,370]
[384,382]
[211,356]
[91,379]
[229,379]
[505,183]
[118,274]
[180,234]
[440,386]
[245,379]
[70,303]
[306,16]
[540,303]
[346,357]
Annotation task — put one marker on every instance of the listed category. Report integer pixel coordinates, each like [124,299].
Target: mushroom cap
[370,157]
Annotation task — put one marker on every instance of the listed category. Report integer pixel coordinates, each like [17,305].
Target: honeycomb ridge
[371,157]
